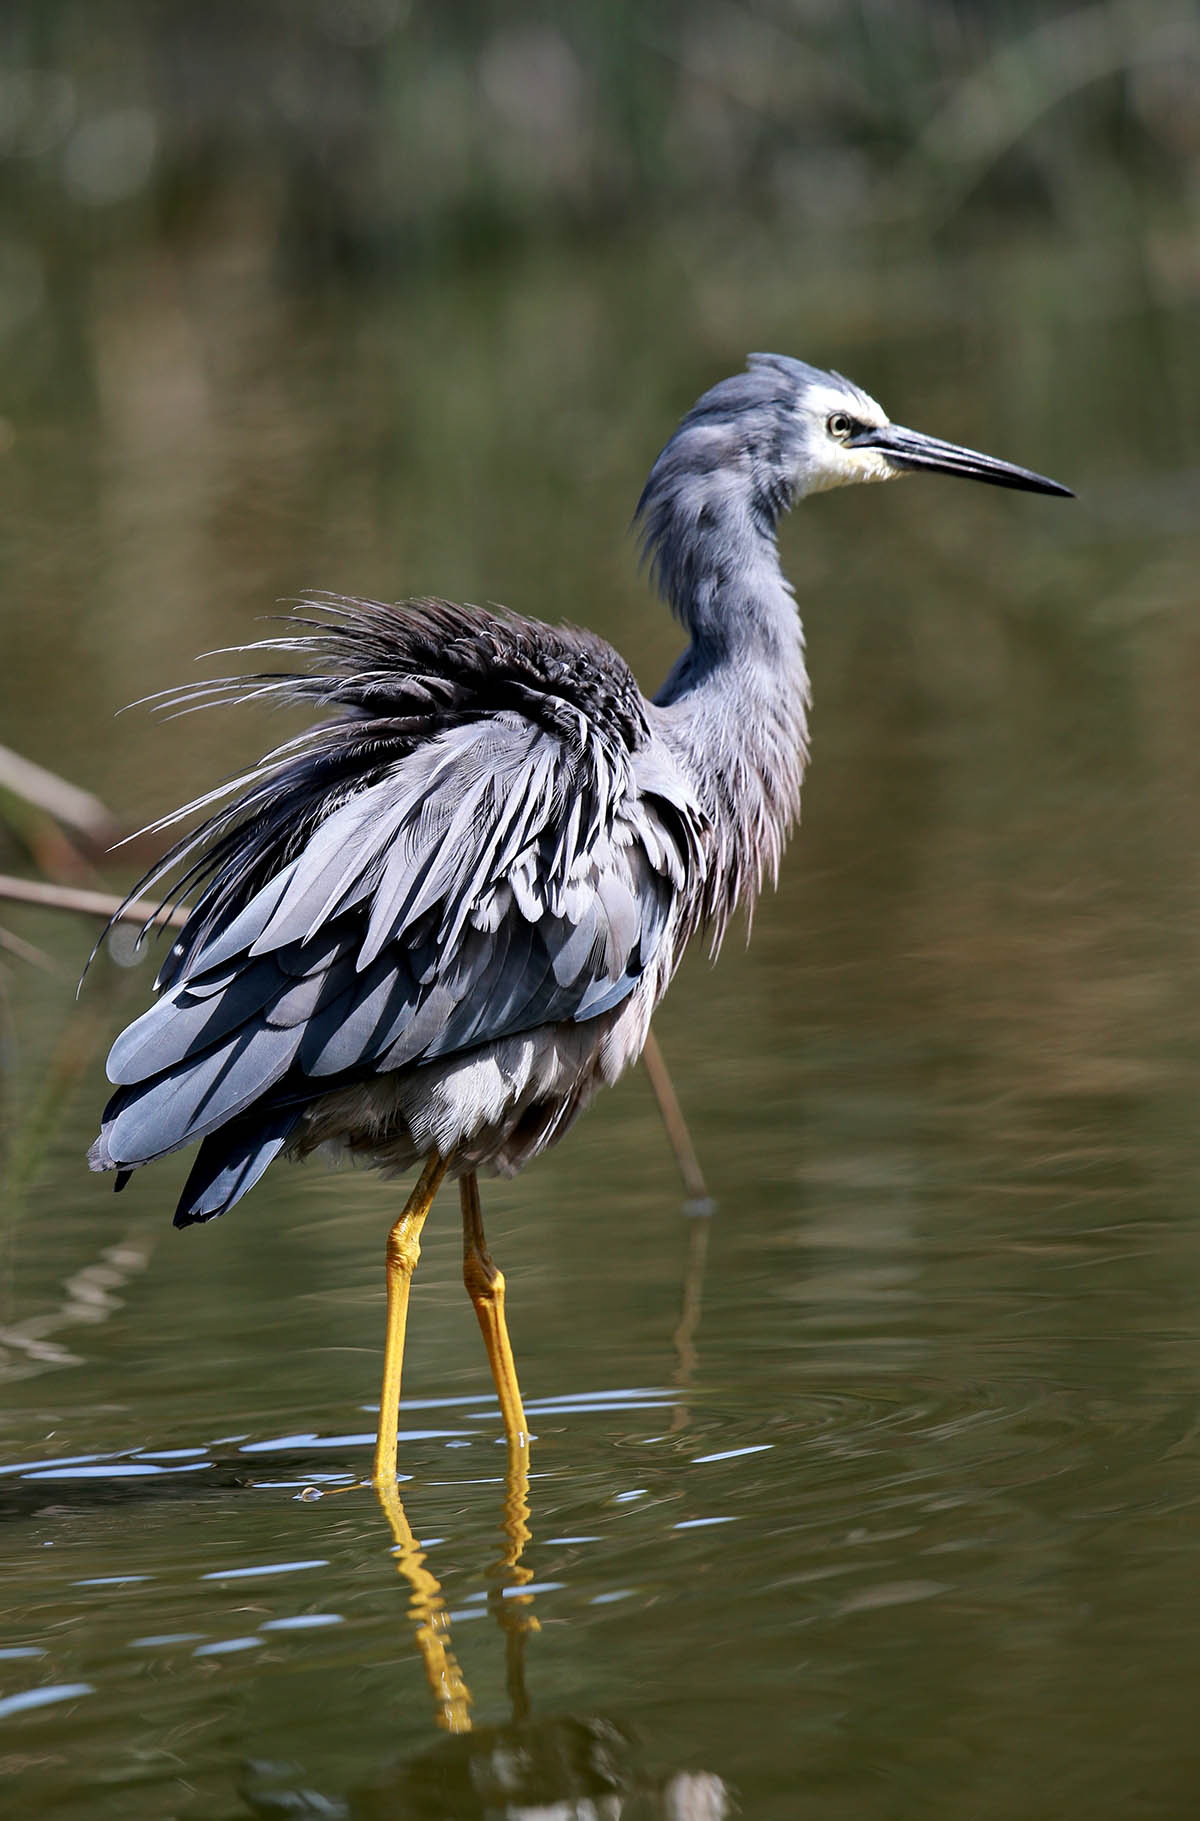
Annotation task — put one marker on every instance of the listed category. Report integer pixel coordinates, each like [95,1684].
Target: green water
[908,1524]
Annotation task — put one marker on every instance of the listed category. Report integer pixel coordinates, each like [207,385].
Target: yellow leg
[403,1251]
[485,1287]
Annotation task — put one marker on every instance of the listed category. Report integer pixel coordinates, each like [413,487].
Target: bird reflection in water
[531,1768]
[512,1609]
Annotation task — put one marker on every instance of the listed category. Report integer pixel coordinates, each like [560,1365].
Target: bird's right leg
[485,1287]
[403,1251]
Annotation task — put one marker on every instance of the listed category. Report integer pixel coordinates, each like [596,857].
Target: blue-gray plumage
[437,921]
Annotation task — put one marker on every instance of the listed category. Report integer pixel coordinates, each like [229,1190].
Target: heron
[425,931]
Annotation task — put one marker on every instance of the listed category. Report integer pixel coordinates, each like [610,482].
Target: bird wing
[519,867]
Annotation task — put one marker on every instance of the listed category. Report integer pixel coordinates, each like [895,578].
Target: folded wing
[507,872]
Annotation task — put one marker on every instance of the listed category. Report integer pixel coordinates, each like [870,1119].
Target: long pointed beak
[908,449]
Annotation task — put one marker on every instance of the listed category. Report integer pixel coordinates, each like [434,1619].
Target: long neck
[735,706]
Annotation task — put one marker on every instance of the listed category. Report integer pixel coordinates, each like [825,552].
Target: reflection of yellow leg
[485,1287]
[403,1251]
[452,1699]
[513,1611]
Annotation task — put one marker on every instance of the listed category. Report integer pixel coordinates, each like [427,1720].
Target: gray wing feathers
[230,1162]
[494,879]
[192,1100]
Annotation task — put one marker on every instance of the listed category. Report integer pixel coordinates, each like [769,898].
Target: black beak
[908,449]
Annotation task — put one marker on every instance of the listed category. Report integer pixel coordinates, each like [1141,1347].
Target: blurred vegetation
[391,134]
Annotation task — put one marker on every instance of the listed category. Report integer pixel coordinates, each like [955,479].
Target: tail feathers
[230,1162]
[101,1158]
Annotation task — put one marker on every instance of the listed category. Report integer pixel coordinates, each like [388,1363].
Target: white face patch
[832,463]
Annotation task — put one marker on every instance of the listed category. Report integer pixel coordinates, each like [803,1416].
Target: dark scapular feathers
[482,838]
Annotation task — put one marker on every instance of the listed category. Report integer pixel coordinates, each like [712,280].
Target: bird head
[756,443]
[832,434]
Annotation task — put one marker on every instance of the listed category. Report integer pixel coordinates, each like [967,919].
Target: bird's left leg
[485,1287]
[403,1251]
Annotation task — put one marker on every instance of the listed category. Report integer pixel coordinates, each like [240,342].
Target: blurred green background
[397,298]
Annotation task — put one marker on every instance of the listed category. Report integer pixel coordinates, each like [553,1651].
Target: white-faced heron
[430,927]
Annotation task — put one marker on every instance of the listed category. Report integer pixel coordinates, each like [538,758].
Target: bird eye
[840,426]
